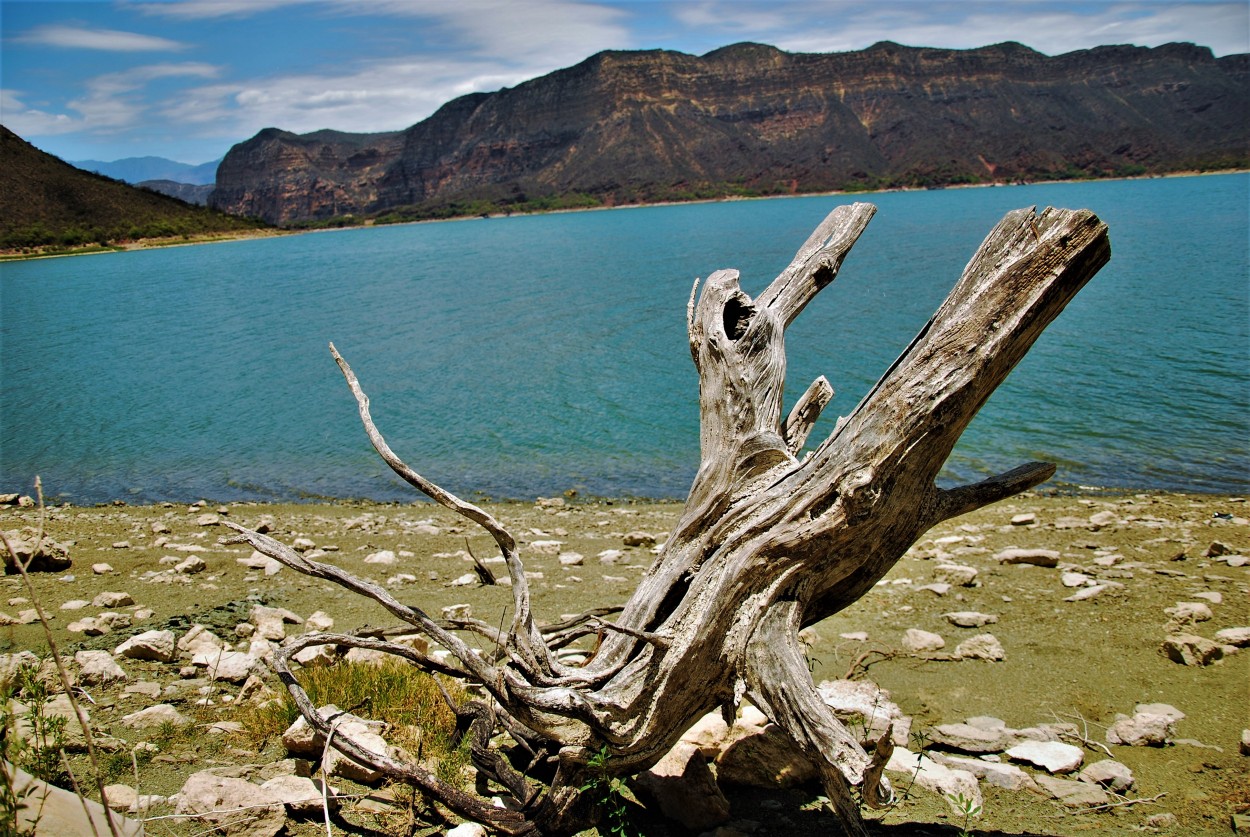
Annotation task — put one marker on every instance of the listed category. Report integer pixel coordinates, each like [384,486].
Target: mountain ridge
[751,119]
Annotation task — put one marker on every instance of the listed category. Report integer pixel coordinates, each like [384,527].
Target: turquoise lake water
[519,357]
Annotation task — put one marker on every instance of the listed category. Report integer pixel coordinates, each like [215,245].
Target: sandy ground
[1081,661]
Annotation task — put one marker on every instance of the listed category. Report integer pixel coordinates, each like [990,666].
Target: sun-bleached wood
[770,540]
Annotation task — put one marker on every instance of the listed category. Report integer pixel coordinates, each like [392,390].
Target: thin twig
[1125,803]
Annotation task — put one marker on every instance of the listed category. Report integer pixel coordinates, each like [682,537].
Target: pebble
[981,647]
[1051,756]
[970,618]
[918,641]
[1036,557]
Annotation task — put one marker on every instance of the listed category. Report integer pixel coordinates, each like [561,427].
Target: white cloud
[110,40]
[1049,27]
[29,122]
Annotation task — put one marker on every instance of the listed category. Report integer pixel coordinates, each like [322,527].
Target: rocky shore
[1050,665]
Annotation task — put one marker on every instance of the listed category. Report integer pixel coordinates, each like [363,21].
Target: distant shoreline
[246,235]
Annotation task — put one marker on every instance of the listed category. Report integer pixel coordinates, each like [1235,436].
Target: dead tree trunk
[770,540]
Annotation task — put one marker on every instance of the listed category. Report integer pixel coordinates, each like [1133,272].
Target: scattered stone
[1110,774]
[758,754]
[1185,613]
[145,688]
[101,568]
[1215,550]
[638,539]
[1244,747]
[190,566]
[49,810]
[154,716]
[1071,579]
[220,801]
[1027,519]
[1087,593]
[1152,724]
[966,738]
[318,621]
[546,547]
[939,588]
[97,668]
[149,645]
[970,619]
[981,647]
[867,707]
[1212,596]
[935,777]
[317,655]
[383,556]
[956,575]
[1073,794]
[36,555]
[209,519]
[1051,756]
[1036,557]
[1191,650]
[75,604]
[231,666]
[1101,519]
[108,599]
[684,788]
[572,559]
[610,556]
[468,829]
[1163,821]
[199,638]
[300,794]
[458,611]
[708,734]
[1005,776]
[918,641]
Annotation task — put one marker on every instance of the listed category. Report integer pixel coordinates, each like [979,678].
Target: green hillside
[47,203]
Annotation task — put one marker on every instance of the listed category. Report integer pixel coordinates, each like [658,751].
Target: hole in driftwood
[737,314]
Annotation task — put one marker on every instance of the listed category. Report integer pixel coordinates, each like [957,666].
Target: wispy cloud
[1051,27]
[108,40]
[27,121]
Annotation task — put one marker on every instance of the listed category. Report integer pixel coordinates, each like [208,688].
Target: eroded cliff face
[654,125]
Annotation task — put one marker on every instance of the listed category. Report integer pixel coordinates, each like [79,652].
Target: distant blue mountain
[138,169]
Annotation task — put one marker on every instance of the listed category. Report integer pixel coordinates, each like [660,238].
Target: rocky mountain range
[750,119]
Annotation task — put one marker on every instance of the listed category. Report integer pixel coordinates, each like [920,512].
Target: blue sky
[186,79]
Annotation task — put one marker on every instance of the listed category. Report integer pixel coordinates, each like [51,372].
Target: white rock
[919,641]
[970,619]
[112,599]
[101,568]
[1151,725]
[209,519]
[190,566]
[572,559]
[610,556]
[466,580]
[967,738]
[384,556]
[957,575]
[545,547]
[981,647]
[1037,557]
[75,604]
[1086,593]
[154,716]
[1073,579]
[1191,650]
[458,611]
[98,668]
[317,655]
[1051,756]
[638,538]
[1212,596]
[217,800]
[1238,637]
[199,638]
[301,795]
[149,645]
[1110,774]
[868,707]
[1006,776]
[938,588]
[1189,612]
[467,829]
[1027,519]
[1073,794]
[935,777]
[318,621]
[231,666]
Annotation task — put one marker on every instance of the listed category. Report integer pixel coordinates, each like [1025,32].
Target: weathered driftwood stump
[771,539]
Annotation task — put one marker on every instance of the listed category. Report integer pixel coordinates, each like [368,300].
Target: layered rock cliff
[750,119]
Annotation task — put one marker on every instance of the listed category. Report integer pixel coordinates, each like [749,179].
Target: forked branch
[767,542]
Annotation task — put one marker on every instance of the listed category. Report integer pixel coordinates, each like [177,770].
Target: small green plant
[965,806]
[608,792]
[40,751]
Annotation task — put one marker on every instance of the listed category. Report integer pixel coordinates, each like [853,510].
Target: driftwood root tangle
[771,539]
